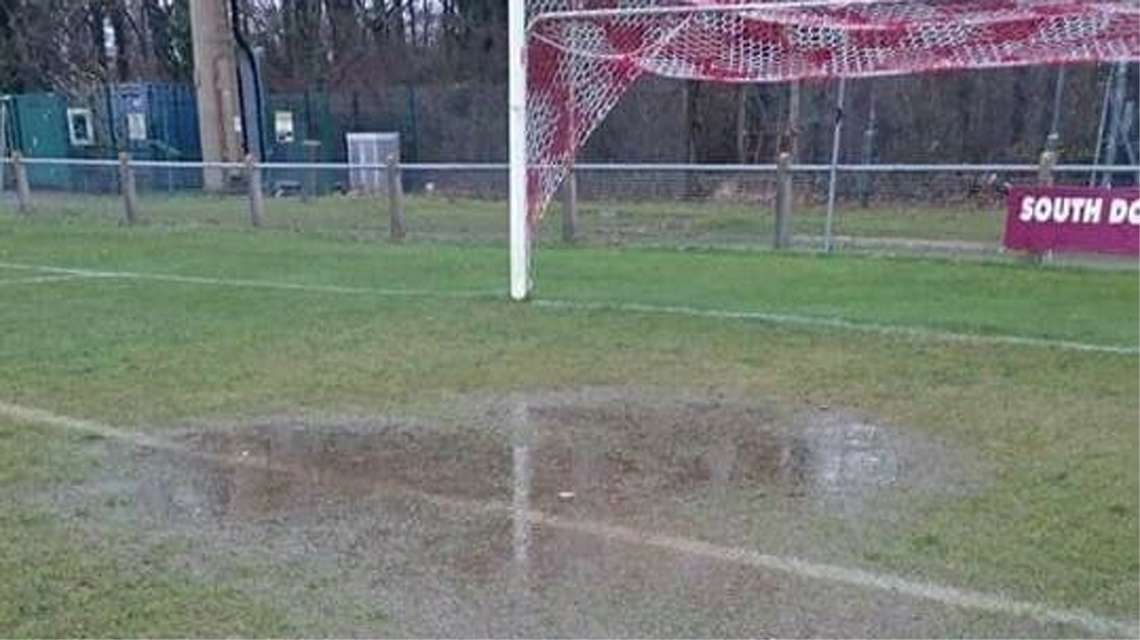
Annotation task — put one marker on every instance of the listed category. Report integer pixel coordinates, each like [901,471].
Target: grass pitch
[460,219]
[185,332]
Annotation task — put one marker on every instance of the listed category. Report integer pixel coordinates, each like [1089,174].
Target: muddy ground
[571,513]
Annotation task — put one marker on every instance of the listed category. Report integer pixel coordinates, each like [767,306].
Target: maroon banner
[1074,219]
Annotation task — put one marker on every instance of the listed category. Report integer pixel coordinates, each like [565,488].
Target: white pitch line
[838,323]
[39,279]
[948,596]
[254,284]
[786,319]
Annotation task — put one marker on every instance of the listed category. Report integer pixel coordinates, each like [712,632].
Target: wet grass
[1055,431]
[60,581]
[59,585]
[74,575]
[464,219]
[998,297]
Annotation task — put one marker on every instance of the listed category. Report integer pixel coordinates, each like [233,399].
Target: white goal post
[571,60]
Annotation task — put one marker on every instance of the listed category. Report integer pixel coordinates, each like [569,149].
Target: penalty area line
[859,578]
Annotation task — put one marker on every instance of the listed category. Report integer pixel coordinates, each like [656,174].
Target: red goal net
[582,55]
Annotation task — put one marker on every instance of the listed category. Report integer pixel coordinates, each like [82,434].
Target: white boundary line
[948,596]
[39,279]
[787,319]
[838,323]
[252,284]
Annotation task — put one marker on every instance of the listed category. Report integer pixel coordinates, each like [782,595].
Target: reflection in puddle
[511,513]
[522,437]
[607,459]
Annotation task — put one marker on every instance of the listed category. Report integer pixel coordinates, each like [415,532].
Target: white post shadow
[521,436]
[520,594]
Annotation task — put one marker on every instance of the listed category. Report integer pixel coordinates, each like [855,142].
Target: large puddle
[612,458]
[536,515]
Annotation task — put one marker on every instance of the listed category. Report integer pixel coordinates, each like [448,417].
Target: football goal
[572,60]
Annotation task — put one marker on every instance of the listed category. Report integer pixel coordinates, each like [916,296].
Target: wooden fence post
[253,182]
[23,190]
[312,156]
[396,229]
[783,200]
[127,186]
[1045,167]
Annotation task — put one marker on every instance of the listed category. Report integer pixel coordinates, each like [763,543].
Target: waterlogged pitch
[219,432]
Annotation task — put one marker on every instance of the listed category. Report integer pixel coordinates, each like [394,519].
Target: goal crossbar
[683,9]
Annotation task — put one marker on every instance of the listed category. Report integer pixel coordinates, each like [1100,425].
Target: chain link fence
[920,208]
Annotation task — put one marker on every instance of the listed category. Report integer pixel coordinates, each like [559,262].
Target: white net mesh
[582,55]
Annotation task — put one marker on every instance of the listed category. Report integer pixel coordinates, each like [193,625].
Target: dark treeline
[436,68]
